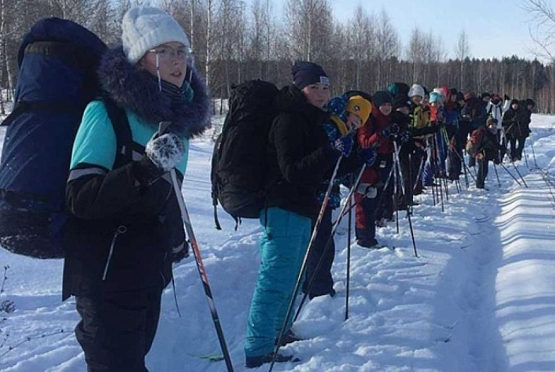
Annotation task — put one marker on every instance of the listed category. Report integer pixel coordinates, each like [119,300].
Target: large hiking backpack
[239,158]
[57,79]
[474,144]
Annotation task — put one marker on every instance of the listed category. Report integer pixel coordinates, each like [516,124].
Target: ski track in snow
[480,296]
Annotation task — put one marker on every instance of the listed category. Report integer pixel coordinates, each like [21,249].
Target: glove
[367,190]
[506,98]
[344,145]
[181,252]
[392,130]
[162,154]
[369,156]
[405,136]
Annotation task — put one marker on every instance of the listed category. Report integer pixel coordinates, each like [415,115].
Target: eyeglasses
[166,53]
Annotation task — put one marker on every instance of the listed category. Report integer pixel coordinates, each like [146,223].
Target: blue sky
[495,28]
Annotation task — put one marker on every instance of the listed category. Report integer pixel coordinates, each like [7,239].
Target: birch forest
[234,41]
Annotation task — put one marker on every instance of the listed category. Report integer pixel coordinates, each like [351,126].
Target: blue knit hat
[306,73]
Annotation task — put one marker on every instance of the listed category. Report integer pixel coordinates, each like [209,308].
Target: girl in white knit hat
[125,228]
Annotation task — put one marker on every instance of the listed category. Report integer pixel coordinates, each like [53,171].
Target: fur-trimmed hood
[133,88]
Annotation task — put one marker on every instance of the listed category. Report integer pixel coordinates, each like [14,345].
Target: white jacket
[497,111]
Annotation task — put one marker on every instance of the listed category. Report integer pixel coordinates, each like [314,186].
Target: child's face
[353,121]
[416,100]
[386,108]
[404,110]
[317,94]
[492,127]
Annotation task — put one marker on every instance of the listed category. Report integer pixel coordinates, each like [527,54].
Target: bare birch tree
[542,27]
[462,52]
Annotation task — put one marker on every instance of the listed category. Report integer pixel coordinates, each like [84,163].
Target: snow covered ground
[480,296]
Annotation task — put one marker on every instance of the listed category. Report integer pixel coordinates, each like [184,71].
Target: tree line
[233,42]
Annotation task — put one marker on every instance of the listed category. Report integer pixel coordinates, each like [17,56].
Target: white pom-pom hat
[144,28]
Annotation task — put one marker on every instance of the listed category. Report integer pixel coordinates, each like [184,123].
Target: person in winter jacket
[434,165]
[299,158]
[347,115]
[125,228]
[376,133]
[524,118]
[451,135]
[488,149]
[495,110]
[512,128]
[406,150]
[475,112]
[420,121]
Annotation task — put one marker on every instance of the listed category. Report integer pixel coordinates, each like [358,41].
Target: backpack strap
[119,120]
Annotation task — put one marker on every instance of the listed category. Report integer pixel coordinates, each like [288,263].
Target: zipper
[161,272]
[121,230]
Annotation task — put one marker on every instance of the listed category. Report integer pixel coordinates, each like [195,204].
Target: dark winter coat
[299,155]
[112,211]
[475,111]
[489,146]
[524,118]
[511,124]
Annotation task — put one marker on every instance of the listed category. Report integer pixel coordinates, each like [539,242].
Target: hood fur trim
[135,89]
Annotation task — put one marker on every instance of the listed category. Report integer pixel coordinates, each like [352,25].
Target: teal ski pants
[282,249]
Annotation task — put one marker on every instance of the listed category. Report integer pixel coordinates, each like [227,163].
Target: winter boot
[288,338]
[367,243]
[253,362]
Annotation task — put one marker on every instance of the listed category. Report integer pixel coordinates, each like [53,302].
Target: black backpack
[239,158]
[57,61]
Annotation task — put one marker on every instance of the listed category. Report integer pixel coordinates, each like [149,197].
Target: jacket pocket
[121,230]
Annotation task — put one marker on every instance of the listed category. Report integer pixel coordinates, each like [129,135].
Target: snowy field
[480,296]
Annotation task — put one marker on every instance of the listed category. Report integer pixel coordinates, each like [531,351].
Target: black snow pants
[322,283]
[117,331]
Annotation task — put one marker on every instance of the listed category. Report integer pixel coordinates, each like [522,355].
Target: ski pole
[201,270]
[438,165]
[519,174]
[328,243]
[534,154]
[466,170]
[380,200]
[395,190]
[348,287]
[410,186]
[496,174]
[420,170]
[510,174]
[305,259]
[406,201]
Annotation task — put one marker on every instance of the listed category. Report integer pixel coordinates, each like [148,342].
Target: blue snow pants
[282,249]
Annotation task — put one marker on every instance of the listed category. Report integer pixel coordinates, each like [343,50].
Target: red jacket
[370,135]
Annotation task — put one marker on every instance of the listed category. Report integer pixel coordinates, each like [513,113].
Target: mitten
[162,154]
[405,136]
[344,145]
[369,156]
